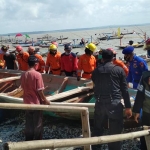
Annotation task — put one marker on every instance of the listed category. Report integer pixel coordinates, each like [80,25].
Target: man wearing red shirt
[32,85]
[68,61]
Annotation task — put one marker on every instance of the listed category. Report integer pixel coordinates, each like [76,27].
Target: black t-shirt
[9,59]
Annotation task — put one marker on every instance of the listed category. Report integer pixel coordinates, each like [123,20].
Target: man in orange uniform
[119,62]
[41,67]
[53,62]
[22,58]
[87,62]
[2,61]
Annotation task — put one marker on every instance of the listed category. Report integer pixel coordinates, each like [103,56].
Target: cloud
[34,15]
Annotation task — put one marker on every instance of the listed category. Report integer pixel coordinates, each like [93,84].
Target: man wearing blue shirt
[137,66]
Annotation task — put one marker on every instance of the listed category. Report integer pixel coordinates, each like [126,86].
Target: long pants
[33,125]
[87,76]
[70,74]
[145,121]
[115,126]
[135,84]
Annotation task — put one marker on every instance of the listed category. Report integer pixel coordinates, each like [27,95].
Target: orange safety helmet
[19,48]
[111,49]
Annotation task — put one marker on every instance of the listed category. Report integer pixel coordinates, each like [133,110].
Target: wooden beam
[9,79]
[68,93]
[42,107]
[61,143]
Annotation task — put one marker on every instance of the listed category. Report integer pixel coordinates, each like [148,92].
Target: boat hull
[69,93]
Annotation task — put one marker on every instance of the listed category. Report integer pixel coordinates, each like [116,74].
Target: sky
[47,15]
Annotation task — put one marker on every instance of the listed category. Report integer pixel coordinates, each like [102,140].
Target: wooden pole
[60,143]
[147,138]
[42,107]
[78,98]
[86,127]
[120,42]
[89,105]
[68,93]
[145,36]
[9,79]
[63,85]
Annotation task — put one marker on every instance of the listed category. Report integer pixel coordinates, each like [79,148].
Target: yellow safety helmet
[92,47]
[52,47]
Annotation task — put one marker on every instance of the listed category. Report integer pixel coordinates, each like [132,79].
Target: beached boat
[58,89]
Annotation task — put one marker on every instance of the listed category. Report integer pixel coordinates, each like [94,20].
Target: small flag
[27,36]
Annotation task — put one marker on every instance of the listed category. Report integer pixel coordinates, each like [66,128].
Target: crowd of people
[111,78]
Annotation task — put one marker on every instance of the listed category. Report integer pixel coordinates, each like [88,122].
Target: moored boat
[65,38]
[110,37]
[83,45]
[136,45]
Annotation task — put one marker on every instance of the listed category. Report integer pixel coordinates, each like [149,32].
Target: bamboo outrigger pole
[60,143]
[9,79]
[83,110]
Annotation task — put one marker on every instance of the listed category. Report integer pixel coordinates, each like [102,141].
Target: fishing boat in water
[136,45]
[62,38]
[126,33]
[83,45]
[110,37]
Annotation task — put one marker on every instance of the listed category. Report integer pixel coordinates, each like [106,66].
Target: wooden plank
[9,79]
[68,93]
[63,85]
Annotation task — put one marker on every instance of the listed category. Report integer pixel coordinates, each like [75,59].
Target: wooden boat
[136,45]
[126,33]
[82,45]
[24,45]
[143,55]
[110,37]
[59,89]
[44,45]
[65,38]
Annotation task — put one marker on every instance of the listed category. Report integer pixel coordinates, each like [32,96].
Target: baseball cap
[107,54]
[67,47]
[32,58]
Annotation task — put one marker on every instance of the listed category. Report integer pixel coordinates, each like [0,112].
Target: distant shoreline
[78,29]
